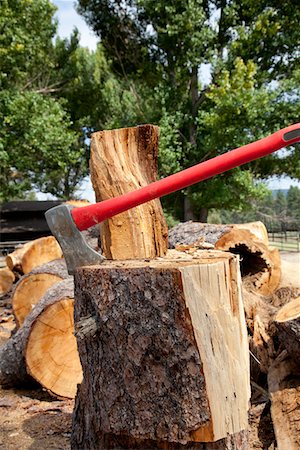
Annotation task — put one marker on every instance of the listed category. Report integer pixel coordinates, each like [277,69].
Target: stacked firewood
[271,295]
[42,348]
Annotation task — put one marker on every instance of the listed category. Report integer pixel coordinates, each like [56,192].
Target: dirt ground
[33,420]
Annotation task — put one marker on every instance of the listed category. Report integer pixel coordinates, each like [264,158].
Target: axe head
[76,251]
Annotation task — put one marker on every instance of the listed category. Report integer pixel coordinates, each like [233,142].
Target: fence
[285,240]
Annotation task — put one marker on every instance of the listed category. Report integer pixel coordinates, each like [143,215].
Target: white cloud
[68,19]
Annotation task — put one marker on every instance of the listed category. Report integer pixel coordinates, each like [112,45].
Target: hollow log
[7,277]
[260,264]
[44,349]
[34,254]
[122,161]
[164,354]
[33,286]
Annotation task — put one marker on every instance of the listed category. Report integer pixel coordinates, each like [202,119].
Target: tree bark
[121,161]
[166,362]
[44,348]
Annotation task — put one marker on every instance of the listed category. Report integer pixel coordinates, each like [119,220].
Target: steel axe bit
[74,247]
[65,221]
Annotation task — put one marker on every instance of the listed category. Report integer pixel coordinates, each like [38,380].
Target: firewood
[164,354]
[33,286]
[283,381]
[122,161]
[7,277]
[287,322]
[260,264]
[44,348]
[34,254]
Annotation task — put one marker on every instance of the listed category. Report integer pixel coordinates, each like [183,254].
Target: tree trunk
[34,254]
[33,286]
[166,362]
[260,264]
[44,348]
[121,161]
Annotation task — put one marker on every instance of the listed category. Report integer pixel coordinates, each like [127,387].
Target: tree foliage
[251,51]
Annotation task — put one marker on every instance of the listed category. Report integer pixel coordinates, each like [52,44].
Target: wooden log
[260,264]
[287,322]
[31,288]
[283,381]
[189,232]
[7,277]
[121,161]
[44,348]
[164,356]
[34,254]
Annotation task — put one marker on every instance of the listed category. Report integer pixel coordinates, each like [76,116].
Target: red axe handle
[87,216]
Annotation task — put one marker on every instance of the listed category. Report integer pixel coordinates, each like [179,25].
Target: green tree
[293,206]
[251,49]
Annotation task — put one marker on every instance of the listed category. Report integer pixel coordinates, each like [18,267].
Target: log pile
[42,348]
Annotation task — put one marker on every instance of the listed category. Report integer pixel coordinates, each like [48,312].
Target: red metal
[87,216]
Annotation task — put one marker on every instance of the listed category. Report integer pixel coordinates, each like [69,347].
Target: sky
[68,19]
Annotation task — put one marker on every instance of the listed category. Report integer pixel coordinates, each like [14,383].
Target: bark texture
[122,161]
[150,378]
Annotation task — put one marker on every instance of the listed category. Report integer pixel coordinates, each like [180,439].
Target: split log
[7,277]
[44,348]
[287,322]
[34,254]
[33,286]
[260,264]
[122,161]
[283,381]
[164,354]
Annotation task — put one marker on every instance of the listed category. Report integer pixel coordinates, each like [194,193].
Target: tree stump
[164,354]
[122,161]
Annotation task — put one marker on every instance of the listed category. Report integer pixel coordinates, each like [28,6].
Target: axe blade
[76,251]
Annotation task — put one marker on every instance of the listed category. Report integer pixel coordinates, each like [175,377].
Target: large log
[122,161]
[33,286]
[164,351]
[34,254]
[260,264]
[44,348]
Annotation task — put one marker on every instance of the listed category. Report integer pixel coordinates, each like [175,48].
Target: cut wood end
[7,277]
[29,291]
[290,311]
[51,354]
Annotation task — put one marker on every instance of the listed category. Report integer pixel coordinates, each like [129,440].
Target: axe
[66,222]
